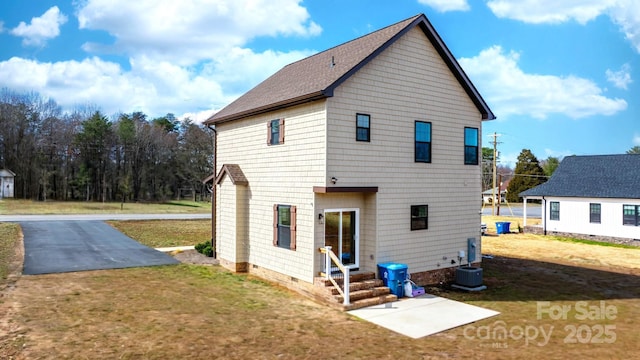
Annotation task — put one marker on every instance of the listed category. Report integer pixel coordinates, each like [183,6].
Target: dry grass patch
[204,312]
[10,251]
[29,207]
[165,233]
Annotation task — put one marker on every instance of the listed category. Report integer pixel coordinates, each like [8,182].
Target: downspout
[544,215]
[213,191]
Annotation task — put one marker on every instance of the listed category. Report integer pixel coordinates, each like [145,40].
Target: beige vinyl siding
[278,174]
[409,82]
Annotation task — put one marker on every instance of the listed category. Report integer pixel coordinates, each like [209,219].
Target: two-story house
[371,147]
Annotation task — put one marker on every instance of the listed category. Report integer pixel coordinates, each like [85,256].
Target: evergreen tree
[634,150]
[528,174]
[550,165]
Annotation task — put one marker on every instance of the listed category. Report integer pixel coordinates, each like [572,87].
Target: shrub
[205,248]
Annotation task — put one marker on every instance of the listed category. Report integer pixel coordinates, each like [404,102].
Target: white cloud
[636,140]
[187,32]
[560,154]
[41,28]
[624,13]
[185,57]
[549,11]
[151,86]
[621,78]
[447,5]
[511,92]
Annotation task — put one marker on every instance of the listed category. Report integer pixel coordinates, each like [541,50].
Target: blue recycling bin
[393,275]
[503,227]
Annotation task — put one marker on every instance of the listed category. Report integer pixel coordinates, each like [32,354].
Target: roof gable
[316,76]
[6,173]
[597,176]
[234,173]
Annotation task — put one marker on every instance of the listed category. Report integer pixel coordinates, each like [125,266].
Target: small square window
[470,146]
[422,142]
[419,217]
[594,213]
[363,127]
[631,215]
[275,132]
[554,210]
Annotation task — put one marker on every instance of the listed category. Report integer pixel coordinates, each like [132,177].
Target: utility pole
[494,170]
[499,192]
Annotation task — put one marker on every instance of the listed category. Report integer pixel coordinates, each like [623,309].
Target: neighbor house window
[470,146]
[631,215]
[363,127]
[594,213]
[423,142]
[275,132]
[554,212]
[419,217]
[284,226]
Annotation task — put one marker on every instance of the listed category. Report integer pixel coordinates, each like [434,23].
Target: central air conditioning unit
[469,276]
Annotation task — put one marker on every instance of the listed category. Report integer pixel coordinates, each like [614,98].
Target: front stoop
[364,290]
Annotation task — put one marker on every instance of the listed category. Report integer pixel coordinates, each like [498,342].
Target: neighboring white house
[6,183]
[371,147]
[490,194]
[591,197]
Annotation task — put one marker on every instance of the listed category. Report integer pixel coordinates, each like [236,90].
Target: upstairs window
[419,217]
[423,142]
[554,210]
[363,127]
[470,146]
[594,213]
[275,132]
[631,215]
[284,226]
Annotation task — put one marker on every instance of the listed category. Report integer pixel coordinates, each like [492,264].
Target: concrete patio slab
[423,315]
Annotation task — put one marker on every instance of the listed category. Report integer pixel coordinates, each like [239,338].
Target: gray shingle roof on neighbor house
[596,176]
[316,76]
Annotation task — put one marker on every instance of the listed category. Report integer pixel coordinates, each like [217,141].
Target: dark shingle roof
[315,78]
[234,173]
[597,176]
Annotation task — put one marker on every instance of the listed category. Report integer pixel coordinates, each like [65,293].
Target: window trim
[475,147]
[595,217]
[270,139]
[292,226]
[554,214]
[635,217]
[416,142]
[419,218]
[368,128]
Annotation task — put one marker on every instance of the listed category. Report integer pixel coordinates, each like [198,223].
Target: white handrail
[330,258]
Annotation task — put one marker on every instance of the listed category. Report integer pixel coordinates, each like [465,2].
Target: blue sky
[561,76]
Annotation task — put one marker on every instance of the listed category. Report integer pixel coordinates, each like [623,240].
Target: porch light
[320,218]
[334,179]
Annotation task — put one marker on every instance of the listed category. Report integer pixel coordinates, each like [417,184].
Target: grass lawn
[29,207]
[166,233]
[202,312]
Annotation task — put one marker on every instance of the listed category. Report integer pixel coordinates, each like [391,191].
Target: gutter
[544,215]
[213,191]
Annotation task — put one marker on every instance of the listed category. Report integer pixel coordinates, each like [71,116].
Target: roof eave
[271,107]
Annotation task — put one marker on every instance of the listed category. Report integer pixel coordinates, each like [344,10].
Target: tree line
[84,155]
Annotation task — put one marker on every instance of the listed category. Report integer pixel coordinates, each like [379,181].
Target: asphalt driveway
[72,245]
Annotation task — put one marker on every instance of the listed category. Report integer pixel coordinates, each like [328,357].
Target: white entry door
[342,233]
